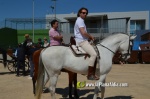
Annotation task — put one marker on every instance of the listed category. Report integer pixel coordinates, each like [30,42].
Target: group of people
[81,38]
[27,48]
[44,43]
[56,39]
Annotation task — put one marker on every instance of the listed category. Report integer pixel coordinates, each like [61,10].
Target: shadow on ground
[120,97]
[4,73]
[114,97]
[65,91]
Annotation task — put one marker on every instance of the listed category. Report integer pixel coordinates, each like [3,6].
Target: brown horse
[72,76]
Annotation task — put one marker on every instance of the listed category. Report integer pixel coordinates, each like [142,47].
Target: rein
[107,48]
[125,55]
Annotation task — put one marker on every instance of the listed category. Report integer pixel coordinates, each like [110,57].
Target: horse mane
[119,33]
[112,35]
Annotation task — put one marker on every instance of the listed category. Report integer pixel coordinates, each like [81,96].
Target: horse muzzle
[125,56]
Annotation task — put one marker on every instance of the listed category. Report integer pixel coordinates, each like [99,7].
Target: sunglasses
[84,13]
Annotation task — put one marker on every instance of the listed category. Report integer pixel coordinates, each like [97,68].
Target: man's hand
[91,38]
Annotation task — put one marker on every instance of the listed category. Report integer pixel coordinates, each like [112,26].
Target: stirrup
[92,77]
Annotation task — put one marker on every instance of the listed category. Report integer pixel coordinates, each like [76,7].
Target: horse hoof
[76,97]
[46,90]
[64,95]
[71,98]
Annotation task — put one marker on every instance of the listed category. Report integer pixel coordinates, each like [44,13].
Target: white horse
[53,59]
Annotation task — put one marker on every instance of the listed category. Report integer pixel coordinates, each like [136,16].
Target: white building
[102,24]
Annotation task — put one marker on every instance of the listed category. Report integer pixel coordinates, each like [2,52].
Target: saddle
[77,51]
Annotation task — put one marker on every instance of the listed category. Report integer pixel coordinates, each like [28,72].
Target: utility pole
[33,21]
[55,7]
[52,7]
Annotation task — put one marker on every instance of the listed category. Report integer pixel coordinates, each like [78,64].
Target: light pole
[52,7]
[33,21]
[55,7]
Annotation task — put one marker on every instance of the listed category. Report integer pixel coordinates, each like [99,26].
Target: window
[137,25]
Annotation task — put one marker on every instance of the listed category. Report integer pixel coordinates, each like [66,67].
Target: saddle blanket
[77,50]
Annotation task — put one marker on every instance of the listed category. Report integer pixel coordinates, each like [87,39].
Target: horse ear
[133,37]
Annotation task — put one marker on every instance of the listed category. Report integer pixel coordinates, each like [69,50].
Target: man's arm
[84,33]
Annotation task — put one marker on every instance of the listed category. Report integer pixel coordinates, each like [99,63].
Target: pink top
[52,34]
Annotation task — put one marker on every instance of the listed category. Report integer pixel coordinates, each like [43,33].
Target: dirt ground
[136,75]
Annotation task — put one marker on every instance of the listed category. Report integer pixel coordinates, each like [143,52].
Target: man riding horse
[55,37]
[81,37]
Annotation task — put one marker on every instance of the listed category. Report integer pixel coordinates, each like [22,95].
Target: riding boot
[95,71]
[91,74]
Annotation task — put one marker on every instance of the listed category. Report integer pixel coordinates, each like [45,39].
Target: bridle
[125,55]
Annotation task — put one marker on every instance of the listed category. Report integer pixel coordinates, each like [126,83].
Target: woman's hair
[45,38]
[53,22]
[80,10]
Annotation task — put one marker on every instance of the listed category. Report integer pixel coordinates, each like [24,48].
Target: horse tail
[36,56]
[40,78]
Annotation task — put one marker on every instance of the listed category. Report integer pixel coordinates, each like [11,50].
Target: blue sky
[23,8]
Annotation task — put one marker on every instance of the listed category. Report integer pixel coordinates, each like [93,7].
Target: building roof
[91,17]
[145,37]
[29,20]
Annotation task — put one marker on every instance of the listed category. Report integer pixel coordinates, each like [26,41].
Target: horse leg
[46,78]
[33,82]
[76,96]
[34,78]
[102,91]
[73,78]
[70,75]
[53,81]
[99,87]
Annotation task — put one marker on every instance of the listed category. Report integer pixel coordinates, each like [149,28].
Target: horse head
[126,47]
